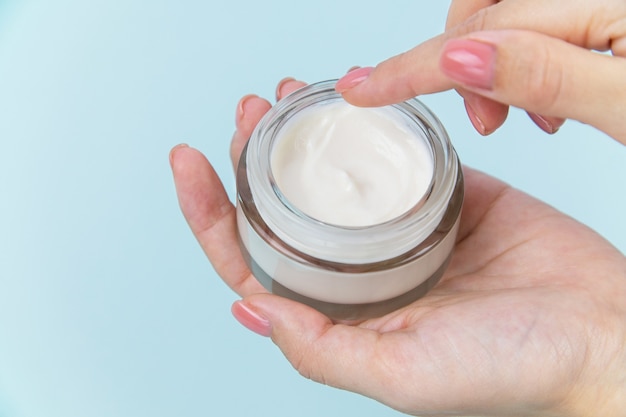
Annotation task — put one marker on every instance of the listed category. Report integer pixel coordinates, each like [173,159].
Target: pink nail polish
[469,62]
[353,78]
[278,94]
[251,320]
[548,125]
[241,109]
[476,121]
[176,148]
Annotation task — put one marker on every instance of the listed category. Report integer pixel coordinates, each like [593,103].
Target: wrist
[604,402]
[604,391]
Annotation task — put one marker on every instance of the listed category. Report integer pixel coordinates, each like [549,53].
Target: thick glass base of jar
[345,313]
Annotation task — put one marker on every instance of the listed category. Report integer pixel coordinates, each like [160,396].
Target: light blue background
[107,305]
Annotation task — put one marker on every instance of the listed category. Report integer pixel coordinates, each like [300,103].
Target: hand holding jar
[528,318]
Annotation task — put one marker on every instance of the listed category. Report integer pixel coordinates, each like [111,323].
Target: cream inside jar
[351,166]
[352,211]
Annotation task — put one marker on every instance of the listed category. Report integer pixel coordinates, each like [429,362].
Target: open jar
[349,272]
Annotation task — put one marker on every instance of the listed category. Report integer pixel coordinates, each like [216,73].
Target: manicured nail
[353,78]
[355,67]
[251,320]
[175,148]
[280,86]
[469,62]
[241,109]
[549,125]
[476,121]
[287,86]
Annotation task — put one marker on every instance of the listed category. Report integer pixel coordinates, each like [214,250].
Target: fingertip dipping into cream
[353,78]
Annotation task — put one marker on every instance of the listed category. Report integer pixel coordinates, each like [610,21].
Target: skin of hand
[538,55]
[527,320]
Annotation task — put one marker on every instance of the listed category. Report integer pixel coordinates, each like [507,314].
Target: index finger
[417,72]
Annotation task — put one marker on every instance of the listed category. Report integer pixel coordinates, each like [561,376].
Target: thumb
[333,354]
[542,75]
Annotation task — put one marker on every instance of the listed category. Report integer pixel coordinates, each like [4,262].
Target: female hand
[532,54]
[527,320]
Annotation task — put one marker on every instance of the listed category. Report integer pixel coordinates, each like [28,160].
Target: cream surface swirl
[351,166]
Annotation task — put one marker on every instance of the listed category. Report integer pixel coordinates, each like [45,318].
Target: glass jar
[347,273]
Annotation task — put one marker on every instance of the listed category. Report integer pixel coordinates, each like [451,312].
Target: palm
[511,324]
[510,320]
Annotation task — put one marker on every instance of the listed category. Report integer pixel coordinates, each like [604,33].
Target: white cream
[351,166]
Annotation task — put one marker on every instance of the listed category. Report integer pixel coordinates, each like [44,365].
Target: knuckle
[477,22]
[309,360]
[301,360]
[542,77]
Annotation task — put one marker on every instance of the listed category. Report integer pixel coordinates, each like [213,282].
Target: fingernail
[469,62]
[548,125]
[355,67]
[280,86]
[175,148]
[353,78]
[476,121]
[282,89]
[251,320]
[241,109]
